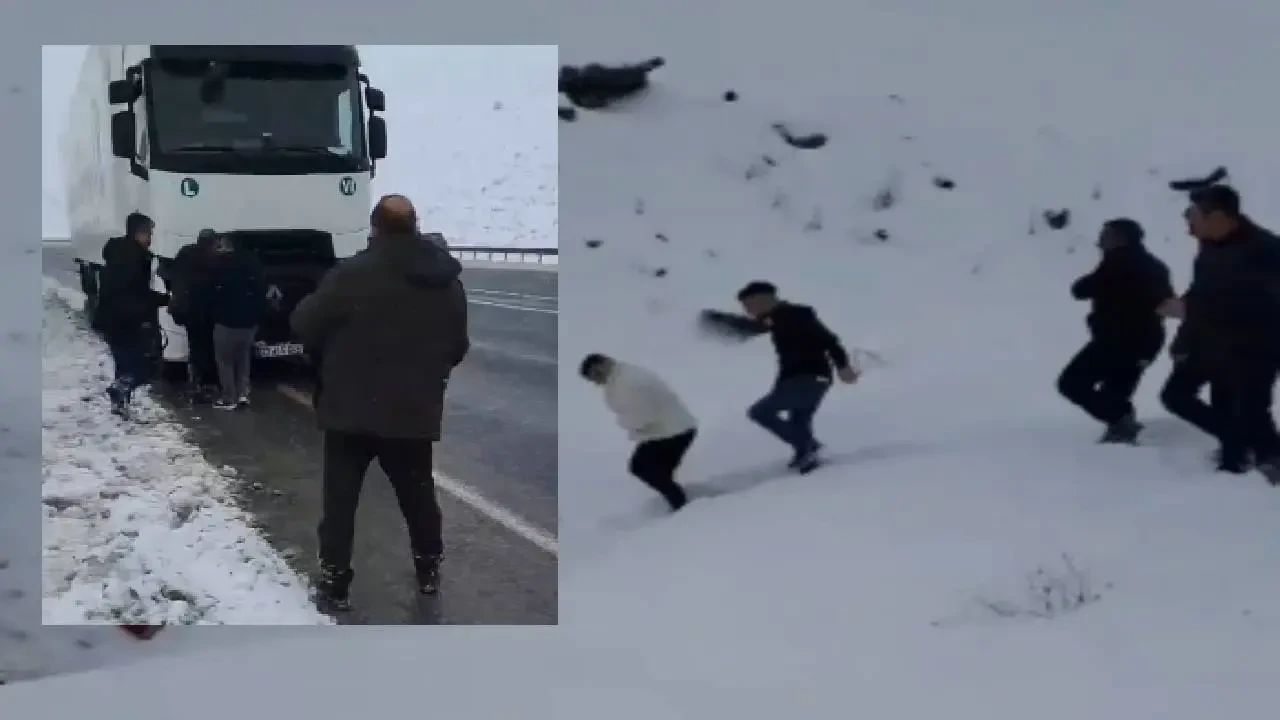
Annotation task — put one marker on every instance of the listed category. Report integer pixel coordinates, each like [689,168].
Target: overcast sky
[481,175]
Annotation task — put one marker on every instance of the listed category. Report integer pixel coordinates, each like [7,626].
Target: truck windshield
[255,107]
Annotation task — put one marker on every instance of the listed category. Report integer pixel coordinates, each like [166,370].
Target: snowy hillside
[969,536]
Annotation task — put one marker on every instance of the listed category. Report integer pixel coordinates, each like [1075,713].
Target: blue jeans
[798,398]
[132,366]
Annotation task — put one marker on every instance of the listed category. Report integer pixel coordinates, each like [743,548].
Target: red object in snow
[142,632]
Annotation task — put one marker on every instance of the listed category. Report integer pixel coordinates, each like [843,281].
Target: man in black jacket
[1126,333]
[1232,313]
[190,280]
[807,351]
[238,302]
[127,309]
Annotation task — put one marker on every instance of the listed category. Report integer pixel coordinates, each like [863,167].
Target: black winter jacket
[1125,290]
[126,301]
[239,290]
[1233,302]
[805,346]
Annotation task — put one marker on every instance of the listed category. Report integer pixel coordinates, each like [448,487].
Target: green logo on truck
[189,187]
[347,186]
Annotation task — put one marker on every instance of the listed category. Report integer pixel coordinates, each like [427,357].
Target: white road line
[468,496]
[491,303]
[526,296]
[461,491]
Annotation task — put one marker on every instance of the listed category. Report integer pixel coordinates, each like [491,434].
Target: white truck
[274,145]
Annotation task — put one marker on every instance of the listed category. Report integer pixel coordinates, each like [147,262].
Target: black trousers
[655,463]
[1248,426]
[200,351]
[1102,379]
[1181,396]
[408,465]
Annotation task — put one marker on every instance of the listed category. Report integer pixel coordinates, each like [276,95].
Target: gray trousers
[233,352]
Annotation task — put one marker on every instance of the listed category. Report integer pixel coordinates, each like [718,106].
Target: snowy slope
[970,538]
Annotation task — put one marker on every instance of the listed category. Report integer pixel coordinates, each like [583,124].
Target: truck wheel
[89,286]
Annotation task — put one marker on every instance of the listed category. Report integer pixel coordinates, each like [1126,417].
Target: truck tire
[89,286]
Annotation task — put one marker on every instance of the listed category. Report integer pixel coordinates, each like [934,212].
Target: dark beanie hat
[1129,230]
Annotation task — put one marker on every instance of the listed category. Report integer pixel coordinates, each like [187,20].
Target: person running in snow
[598,86]
[189,279]
[127,311]
[1232,310]
[806,350]
[1126,332]
[387,327]
[238,302]
[654,418]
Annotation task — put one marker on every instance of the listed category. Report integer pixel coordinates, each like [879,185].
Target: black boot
[427,570]
[332,589]
[1122,432]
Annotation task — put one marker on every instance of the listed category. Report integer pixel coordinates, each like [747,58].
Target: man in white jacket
[654,418]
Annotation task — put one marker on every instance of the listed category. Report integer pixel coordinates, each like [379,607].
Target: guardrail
[541,256]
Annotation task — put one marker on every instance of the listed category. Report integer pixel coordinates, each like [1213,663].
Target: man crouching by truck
[386,328]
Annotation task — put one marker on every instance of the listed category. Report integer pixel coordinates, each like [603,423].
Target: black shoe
[1122,432]
[427,571]
[332,590]
[807,462]
[119,400]
[1234,465]
[1270,469]
[803,457]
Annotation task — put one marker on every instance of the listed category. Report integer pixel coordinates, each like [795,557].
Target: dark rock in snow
[660,272]
[811,141]
[1057,219]
[595,86]
[568,114]
[594,243]
[730,96]
[881,234]
[944,183]
[1189,184]
[662,238]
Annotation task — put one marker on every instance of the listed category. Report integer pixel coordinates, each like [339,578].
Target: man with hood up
[1125,331]
[386,329]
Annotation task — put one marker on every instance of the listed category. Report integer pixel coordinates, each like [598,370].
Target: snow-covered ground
[138,527]
[909,580]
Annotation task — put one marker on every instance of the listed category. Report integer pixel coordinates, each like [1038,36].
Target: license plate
[277,350]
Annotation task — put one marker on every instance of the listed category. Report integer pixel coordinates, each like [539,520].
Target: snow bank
[138,528]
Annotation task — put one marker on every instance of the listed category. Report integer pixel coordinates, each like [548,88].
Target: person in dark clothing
[806,350]
[387,328]
[1231,312]
[654,418]
[1126,333]
[238,301]
[598,86]
[126,314]
[190,281]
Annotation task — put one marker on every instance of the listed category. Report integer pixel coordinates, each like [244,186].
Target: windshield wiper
[204,147]
[310,149]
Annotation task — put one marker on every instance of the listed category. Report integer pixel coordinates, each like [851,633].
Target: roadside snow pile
[138,528]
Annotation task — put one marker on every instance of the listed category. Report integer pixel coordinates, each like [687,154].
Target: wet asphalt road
[499,442]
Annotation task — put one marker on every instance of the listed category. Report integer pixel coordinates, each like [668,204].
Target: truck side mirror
[123,134]
[377,138]
[375,100]
[122,92]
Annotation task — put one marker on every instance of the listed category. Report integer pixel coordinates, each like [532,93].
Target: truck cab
[272,146]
